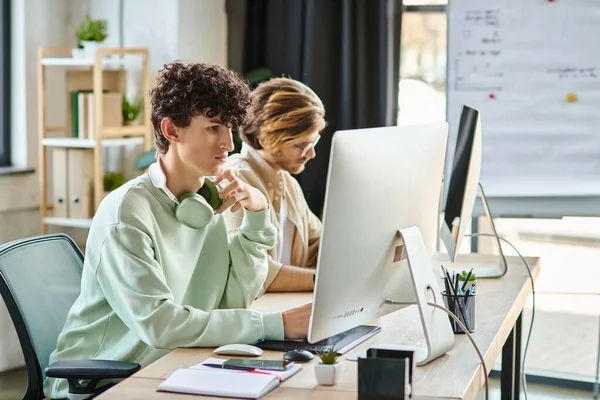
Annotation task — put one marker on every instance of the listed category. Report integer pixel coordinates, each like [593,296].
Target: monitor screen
[463,181]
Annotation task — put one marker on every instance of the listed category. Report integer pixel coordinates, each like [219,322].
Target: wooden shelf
[57,128]
[121,131]
[105,73]
[90,143]
[71,222]
[79,62]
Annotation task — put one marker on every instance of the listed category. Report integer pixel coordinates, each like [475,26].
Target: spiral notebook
[208,381]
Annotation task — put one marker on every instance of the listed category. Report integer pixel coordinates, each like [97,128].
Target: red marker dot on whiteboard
[492,96]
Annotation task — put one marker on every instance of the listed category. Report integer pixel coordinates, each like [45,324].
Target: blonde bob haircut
[284,112]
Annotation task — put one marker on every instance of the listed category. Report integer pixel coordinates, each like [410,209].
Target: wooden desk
[456,375]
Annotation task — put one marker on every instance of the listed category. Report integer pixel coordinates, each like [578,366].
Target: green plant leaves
[92,30]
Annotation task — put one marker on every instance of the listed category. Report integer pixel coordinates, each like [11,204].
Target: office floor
[537,392]
[565,336]
[13,384]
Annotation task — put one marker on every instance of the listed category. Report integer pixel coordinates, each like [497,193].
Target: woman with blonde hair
[279,140]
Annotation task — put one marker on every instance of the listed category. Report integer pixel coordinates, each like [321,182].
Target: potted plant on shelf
[90,34]
[131,111]
[113,180]
[328,370]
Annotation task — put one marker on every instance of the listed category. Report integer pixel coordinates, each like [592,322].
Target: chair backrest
[40,278]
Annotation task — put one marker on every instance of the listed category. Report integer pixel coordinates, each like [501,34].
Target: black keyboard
[341,342]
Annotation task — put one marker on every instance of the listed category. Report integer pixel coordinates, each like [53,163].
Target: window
[5,83]
[422,92]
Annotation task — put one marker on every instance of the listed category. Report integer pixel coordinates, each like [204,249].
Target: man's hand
[295,322]
[238,194]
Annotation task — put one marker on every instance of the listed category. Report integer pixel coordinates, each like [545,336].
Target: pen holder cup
[463,306]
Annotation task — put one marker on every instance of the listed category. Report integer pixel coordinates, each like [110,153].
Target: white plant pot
[78,53]
[89,49]
[328,375]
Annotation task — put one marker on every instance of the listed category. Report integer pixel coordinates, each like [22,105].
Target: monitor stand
[437,330]
[492,267]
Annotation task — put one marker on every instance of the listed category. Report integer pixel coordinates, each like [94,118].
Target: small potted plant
[113,180]
[329,370]
[131,111]
[90,34]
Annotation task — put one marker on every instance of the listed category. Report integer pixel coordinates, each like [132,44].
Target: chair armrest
[91,369]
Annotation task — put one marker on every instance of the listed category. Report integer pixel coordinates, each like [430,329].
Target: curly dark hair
[186,90]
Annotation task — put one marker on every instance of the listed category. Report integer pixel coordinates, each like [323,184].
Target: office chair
[40,278]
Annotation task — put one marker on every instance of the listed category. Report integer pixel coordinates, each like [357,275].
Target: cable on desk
[464,329]
[523,375]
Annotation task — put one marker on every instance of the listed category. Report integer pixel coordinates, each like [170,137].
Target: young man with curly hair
[159,271]
[278,141]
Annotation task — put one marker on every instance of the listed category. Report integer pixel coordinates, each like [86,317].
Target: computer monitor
[463,182]
[380,180]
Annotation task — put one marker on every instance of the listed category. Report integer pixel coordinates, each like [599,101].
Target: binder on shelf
[59,182]
[80,183]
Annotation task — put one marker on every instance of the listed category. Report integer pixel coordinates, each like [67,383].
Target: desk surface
[456,375]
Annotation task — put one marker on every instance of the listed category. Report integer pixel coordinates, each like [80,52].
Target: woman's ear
[169,130]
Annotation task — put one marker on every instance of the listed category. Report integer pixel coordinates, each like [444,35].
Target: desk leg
[510,376]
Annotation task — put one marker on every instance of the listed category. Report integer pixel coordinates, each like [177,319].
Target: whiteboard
[522,63]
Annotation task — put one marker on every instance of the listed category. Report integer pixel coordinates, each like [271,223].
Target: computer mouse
[298,355]
[238,350]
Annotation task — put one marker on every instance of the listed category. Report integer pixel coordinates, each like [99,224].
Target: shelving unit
[97,75]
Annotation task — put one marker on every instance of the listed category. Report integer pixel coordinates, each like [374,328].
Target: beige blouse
[278,187]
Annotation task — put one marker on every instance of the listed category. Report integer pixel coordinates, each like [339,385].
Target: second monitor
[460,200]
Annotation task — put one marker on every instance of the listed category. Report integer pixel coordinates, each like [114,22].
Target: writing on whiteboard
[573,73]
[477,59]
[483,17]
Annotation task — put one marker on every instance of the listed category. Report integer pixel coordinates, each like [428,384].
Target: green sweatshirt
[151,284]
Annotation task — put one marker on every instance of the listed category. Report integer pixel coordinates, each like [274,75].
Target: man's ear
[169,130]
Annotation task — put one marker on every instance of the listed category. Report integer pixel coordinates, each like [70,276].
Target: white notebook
[219,383]
[203,380]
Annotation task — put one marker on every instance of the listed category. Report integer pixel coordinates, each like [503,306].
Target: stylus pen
[223,366]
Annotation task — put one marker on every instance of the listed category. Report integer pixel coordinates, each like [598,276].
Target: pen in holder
[463,306]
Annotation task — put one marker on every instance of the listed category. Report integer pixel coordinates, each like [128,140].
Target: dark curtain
[347,51]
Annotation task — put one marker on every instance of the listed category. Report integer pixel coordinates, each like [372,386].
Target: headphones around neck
[194,210]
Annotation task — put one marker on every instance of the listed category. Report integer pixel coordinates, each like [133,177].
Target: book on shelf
[83,113]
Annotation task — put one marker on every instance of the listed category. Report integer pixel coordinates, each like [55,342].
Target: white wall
[203,31]
[170,29]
